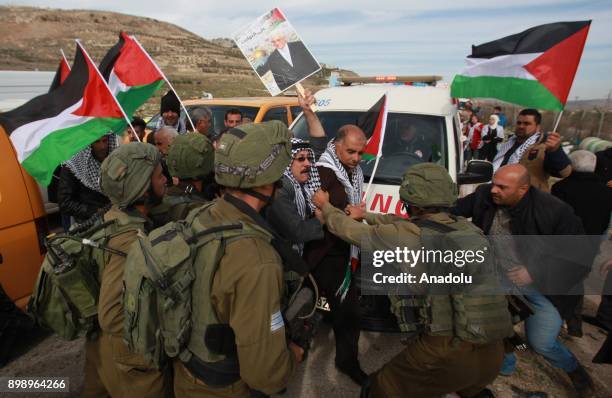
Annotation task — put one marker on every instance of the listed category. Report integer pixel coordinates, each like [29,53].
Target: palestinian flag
[132,75]
[52,127]
[63,69]
[373,123]
[534,68]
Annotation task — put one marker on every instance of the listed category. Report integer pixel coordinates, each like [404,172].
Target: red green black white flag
[132,75]
[534,68]
[373,123]
[62,72]
[52,127]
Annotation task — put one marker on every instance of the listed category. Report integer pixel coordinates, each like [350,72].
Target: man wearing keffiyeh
[540,153]
[332,260]
[292,213]
[79,194]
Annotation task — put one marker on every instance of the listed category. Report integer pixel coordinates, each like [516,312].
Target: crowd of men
[301,202]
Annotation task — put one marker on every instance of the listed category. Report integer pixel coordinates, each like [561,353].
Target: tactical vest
[476,312]
[168,271]
[66,293]
[176,204]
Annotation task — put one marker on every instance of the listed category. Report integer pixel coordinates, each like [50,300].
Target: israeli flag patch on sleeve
[277,321]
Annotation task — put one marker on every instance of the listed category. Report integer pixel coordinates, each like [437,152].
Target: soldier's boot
[582,382]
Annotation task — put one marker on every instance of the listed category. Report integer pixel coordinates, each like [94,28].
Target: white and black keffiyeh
[86,168]
[353,186]
[303,192]
[518,153]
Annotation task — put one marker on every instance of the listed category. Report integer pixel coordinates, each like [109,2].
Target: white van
[422,126]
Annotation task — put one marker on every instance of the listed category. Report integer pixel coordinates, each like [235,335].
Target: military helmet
[125,175]
[190,156]
[428,185]
[253,155]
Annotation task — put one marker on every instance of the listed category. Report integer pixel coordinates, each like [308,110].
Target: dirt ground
[535,378]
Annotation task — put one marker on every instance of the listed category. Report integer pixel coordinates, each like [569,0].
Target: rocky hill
[31,39]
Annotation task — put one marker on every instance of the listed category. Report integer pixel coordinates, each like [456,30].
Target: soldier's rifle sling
[91,243]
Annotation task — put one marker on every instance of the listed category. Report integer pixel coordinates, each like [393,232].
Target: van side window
[279,113]
[295,111]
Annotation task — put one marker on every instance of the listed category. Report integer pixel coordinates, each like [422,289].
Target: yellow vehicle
[23,226]
[258,109]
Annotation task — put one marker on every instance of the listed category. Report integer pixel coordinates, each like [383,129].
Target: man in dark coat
[331,259]
[510,206]
[290,62]
[79,194]
[603,262]
[604,166]
[591,200]
[586,192]
[291,213]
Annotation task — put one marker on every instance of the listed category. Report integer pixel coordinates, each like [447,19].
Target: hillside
[31,39]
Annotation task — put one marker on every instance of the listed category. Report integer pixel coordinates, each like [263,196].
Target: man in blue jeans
[510,206]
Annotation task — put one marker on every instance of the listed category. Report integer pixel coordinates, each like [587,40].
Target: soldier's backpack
[65,297]
[161,283]
[476,312]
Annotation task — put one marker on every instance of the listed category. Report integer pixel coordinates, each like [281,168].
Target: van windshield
[409,139]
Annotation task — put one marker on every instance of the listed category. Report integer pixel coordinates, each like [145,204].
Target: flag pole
[558,120]
[65,59]
[109,90]
[166,80]
[380,145]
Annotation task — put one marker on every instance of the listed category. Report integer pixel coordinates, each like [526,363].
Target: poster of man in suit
[276,52]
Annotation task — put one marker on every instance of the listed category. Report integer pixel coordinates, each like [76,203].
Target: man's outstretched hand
[553,142]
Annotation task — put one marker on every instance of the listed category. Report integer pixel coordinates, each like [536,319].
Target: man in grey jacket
[292,213]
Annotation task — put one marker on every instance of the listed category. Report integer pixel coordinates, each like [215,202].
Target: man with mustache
[292,213]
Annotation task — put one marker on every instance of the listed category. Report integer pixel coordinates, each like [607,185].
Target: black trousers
[345,317]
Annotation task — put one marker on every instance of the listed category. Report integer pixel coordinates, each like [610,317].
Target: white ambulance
[422,126]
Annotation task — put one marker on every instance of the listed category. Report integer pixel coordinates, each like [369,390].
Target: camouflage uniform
[246,293]
[446,359]
[110,368]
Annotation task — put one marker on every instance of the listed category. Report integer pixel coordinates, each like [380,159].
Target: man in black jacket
[510,206]
[604,166]
[586,192]
[290,62]
[79,194]
[591,200]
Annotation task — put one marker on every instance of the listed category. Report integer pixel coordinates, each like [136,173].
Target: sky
[390,37]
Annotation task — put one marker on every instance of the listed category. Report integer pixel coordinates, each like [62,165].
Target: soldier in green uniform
[456,336]
[131,177]
[190,159]
[247,284]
